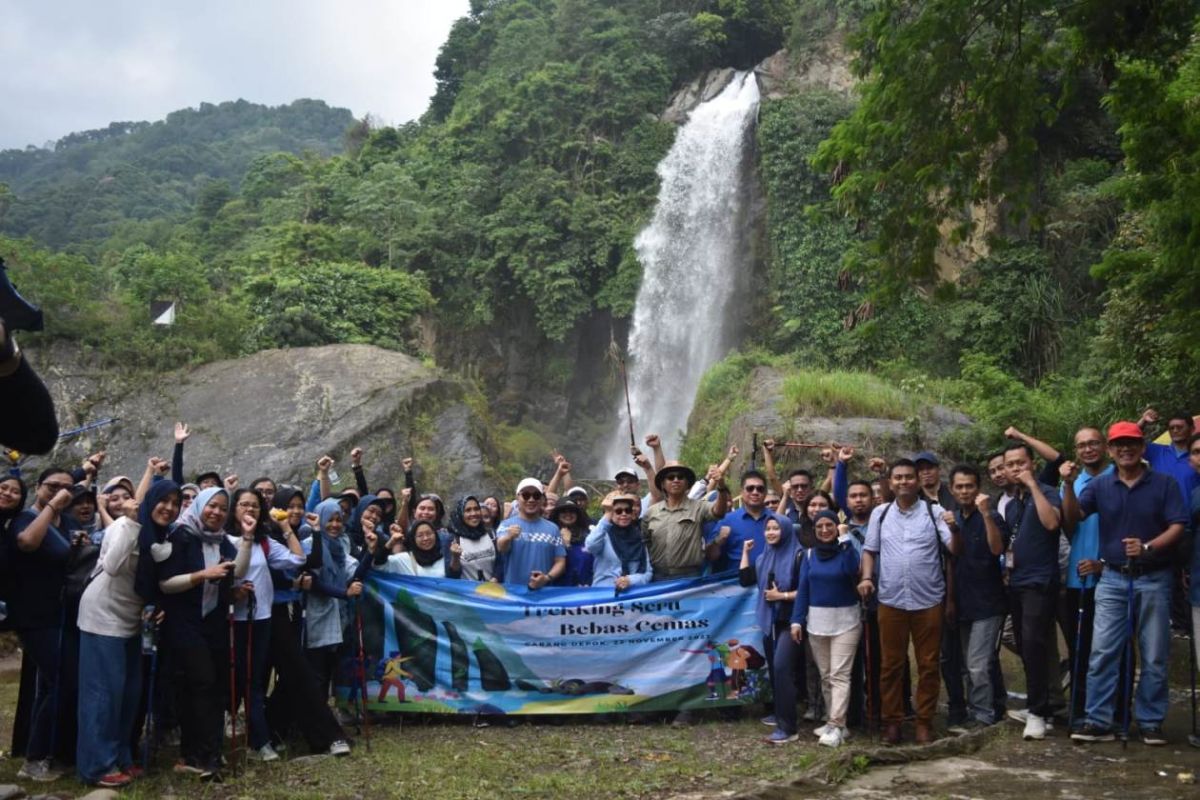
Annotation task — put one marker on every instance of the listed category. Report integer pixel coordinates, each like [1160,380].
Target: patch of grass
[808,393]
[721,397]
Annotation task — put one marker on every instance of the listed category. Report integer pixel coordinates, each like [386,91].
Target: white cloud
[76,64]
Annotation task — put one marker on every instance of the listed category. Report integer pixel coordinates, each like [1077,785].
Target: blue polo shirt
[1085,544]
[743,526]
[1034,548]
[1141,511]
[1166,459]
[535,549]
[1194,592]
[978,578]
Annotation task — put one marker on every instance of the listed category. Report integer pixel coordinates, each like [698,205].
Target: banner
[459,647]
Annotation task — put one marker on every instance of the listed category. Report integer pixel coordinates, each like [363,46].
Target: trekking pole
[362,671]
[628,407]
[232,686]
[1193,739]
[1128,699]
[250,609]
[1075,660]
[866,621]
[149,641]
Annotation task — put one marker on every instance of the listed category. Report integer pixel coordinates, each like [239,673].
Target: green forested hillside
[79,191]
[1004,212]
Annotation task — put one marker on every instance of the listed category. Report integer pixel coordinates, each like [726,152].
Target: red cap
[1124,430]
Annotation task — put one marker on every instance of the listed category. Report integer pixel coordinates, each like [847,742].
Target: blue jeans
[110,690]
[980,642]
[42,645]
[1152,625]
[256,708]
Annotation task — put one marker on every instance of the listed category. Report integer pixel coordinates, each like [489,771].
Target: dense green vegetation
[1004,215]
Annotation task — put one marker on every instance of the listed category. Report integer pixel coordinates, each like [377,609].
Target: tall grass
[844,394]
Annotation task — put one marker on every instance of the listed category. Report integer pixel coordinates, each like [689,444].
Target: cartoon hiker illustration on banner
[393,675]
[717,655]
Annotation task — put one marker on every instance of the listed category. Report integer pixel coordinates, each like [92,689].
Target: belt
[1134,570]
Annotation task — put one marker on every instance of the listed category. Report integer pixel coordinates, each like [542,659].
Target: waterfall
[695,274]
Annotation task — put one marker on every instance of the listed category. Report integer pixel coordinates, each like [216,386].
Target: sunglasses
[800,487]
[531,495]
[674,476]
[622,511]
[754,489]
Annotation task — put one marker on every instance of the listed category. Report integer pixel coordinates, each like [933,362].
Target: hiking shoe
[265,753]
[339,748]
[134,772]
[115,780]
[1022,715]
[970,726]
[779,736]
[1035,728]
[211,775]
[184,767]
[1092,733]
[38,771]
[769,720]
[1152,735]
[810,714]
[832,737]
[821,731]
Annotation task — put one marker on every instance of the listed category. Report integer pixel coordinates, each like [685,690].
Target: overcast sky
[71,65]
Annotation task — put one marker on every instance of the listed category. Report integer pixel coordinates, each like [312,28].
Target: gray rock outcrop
[275,413]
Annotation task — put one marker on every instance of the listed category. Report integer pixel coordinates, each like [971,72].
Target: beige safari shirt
[674,537]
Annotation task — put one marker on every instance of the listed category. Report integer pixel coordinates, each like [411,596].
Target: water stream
[695,267]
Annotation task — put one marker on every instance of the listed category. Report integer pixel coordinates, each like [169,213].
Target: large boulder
[274,413]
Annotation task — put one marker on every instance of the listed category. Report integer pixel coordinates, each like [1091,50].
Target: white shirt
[259,573]
[110,606]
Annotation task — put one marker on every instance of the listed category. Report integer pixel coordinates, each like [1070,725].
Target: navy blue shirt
[1142,511]
[978,579]
[35,592]
[1035,549]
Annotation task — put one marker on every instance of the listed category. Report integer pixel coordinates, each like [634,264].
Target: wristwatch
[1147,548]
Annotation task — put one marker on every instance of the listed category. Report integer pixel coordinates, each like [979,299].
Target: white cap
[577,491]
[530,483]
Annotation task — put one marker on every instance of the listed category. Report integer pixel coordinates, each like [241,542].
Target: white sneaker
[339,748]
[1035,728]
[832,738]
[821,731]
[265,753]
[38,771]
[1022,715]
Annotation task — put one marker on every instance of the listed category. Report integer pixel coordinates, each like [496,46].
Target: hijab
[826,550]
[629,545]
[777,561]
[458,525]
[151,539]
[190,519]
[426,558]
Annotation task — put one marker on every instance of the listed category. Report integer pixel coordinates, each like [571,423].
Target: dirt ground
[713,759]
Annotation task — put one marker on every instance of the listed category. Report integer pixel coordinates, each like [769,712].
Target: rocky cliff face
[274,414]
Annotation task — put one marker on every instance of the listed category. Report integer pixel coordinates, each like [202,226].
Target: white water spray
[694,257]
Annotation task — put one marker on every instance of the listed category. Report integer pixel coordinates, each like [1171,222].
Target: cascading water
[695,271]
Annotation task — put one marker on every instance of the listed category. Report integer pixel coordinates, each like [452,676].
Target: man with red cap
[1142,517]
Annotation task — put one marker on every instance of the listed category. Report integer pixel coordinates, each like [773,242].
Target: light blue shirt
[607,567]
[1085,544]
[534,550]
[909,553]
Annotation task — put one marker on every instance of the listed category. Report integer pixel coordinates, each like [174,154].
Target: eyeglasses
[1091,444]
[754,489]
[531,495]
[798,487]
[57,487]
[248,505]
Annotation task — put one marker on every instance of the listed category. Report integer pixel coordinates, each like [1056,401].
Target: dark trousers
[1079,657]
[42,645]
[297,697]
[202,686]
[1033,610]
[23,717]
[953,674]
[324,661]
[256,640]
[782,654]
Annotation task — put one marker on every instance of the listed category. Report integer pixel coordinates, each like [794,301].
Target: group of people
[160,607]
